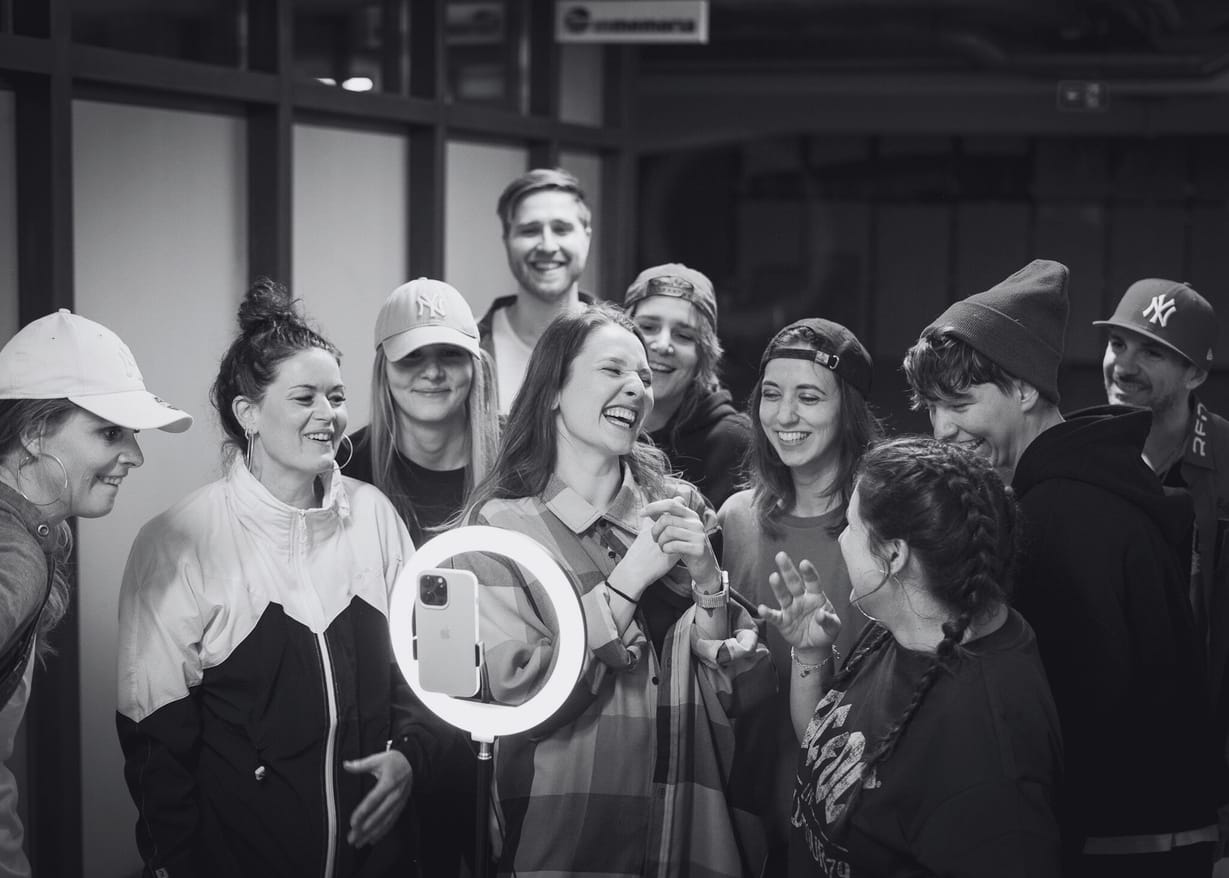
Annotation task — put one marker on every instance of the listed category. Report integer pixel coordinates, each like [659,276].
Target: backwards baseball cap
[424,312]
[1018,323]
[1171,313]
[677,281]
[837,349]
[65,355]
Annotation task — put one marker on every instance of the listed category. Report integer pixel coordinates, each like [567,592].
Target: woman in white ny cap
[433,435]
[71,403]
[434,428]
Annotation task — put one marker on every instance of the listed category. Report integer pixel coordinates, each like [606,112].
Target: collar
[1199,437]
[579,514]
[31,517]
[259,510]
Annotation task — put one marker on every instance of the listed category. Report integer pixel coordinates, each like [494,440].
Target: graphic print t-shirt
[969,787]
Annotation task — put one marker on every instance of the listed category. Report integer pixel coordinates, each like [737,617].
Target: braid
[958,519]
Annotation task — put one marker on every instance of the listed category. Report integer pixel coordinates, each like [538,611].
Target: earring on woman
[250,435]
[63,470]
[348,456]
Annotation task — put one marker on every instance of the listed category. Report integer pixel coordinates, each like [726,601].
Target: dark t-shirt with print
[969,789]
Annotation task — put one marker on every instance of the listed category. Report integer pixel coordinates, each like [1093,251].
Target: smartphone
[446,632]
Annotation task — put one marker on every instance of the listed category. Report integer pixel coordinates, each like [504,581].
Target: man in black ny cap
[1161,340]
[1103,580]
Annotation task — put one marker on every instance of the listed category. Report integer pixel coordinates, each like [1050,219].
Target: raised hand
[806,618]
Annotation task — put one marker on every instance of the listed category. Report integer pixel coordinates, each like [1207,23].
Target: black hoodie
[708,446]
[1103,581]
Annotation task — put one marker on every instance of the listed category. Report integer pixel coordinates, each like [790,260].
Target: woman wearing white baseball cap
[71,402]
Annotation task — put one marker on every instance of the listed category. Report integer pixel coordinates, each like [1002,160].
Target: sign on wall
[631,21]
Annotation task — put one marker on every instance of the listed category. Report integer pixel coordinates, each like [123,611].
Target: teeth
[621,413]
[792,436]
[323,437]
[658,367]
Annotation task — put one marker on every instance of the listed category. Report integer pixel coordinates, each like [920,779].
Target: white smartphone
[446,632]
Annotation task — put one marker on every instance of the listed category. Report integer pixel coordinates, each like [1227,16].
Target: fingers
[376,814]
[673,505]
[810,577]
[364,765]
[791,579]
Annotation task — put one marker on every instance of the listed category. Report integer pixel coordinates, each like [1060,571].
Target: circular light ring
[485,722]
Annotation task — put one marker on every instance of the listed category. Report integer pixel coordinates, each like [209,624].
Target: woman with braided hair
[935,750]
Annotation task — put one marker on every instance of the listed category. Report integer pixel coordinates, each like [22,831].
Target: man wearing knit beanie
[1102,579]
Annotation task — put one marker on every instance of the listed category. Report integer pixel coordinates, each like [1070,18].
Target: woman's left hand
[381,807]
[679,531]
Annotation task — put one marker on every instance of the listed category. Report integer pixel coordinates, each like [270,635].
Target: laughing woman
[265,728]
[810,426]
[71,403]
[629,779]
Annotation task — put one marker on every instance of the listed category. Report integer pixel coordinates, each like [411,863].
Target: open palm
[806,618]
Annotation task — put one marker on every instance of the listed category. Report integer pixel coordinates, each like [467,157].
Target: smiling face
[96,455]
[299,422]
[986,420]
[431,385]
[1141,372]
[547,244]
[607,395]
[671,327]
[868,573]
[800,413]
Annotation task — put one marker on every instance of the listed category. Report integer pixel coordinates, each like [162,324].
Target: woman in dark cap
[810,426]
[694,419]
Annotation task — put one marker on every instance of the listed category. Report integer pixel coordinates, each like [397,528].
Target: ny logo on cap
[1160,310]
[431,305]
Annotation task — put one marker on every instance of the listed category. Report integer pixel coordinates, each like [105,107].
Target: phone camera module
[433,590]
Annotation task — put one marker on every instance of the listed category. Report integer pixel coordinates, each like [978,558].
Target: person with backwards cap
[1103,578]
[71,402]
[694,420]
[1159,351]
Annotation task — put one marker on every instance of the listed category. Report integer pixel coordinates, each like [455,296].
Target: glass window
[345,43]
[483,51]
[190,30]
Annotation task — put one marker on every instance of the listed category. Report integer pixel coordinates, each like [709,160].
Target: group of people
[811,649]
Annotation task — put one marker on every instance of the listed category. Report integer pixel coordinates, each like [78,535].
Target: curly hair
[271,330]
[960,521]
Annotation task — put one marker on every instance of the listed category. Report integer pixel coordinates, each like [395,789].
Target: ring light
[485,722]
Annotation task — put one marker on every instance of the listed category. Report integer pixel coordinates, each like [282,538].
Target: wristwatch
[715,600]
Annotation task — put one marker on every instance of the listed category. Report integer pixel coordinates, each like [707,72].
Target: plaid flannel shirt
[630,778]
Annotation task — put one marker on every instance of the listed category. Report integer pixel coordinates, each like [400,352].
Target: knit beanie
[1018,323]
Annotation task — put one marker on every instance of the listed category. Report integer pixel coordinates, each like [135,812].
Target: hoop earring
[349,456]
[63,470]
[247,453]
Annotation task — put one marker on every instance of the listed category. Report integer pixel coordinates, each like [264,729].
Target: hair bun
[266,304]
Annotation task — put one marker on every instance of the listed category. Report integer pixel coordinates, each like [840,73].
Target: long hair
[527,453]
[481,424]
[773,493]
[271,330]
[706,379]
[39,417]
[959,520]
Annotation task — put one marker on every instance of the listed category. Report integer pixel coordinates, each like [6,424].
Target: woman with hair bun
[935,750]
[265,727]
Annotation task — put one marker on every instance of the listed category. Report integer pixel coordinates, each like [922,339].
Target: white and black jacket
[254,658]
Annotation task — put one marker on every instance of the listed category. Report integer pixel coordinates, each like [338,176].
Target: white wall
[350,241]
[161,257]
[587,168]
[474,260]
[8,217]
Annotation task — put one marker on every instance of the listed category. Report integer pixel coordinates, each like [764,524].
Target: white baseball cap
[65,355]
[424,312]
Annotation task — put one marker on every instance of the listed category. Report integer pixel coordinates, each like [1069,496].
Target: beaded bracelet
[807,668]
